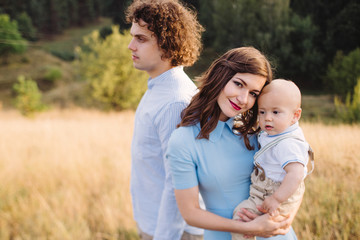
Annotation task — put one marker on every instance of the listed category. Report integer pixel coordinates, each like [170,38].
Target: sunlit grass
[331,205]
[65,175]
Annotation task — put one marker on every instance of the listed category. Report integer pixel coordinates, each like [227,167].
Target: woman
[204,153]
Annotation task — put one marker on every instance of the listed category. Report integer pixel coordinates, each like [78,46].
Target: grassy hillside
[36,64]
[63,45]
[42,57]
[318,108]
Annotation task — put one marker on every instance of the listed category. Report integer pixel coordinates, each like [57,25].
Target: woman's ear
[297,115]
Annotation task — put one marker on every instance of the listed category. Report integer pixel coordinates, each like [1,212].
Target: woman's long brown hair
[204,108]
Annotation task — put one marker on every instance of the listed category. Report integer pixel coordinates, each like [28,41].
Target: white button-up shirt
[158,113]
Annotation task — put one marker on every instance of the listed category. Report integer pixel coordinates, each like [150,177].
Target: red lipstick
[236,107]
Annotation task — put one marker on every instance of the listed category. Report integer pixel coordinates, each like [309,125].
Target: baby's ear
[297,115]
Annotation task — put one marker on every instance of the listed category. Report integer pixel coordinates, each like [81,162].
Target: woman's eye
[238,84]
[261,112]
[254,94]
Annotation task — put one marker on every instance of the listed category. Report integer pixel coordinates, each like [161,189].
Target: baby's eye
[261,112]
[275,112]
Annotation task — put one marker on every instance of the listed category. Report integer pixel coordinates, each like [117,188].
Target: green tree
[270,26]
[28,97]
[116,10]
[206,16]
[337,22]
[249,22]
[26,28]
[349,111]
[53,16]
[344,32]
[302,60]
[106,65]
[10,38]
[343,73]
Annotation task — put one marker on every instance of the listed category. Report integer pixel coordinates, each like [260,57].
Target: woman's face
[239,94]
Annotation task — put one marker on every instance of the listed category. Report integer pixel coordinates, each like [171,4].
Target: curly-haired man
[166,37]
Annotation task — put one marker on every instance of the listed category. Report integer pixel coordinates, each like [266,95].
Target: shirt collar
[165,76]
[215,135]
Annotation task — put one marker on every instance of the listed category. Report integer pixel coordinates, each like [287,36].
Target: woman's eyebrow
[241,80]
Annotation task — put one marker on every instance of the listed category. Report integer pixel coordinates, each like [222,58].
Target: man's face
[146,54]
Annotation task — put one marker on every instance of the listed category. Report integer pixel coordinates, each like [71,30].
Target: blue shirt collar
[165,76]
[216,134]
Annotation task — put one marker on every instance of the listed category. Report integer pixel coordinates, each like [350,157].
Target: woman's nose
[243,97]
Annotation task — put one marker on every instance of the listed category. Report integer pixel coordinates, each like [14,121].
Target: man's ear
[297,115]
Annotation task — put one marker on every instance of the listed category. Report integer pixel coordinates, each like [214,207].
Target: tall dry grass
[65,175]
[331,206]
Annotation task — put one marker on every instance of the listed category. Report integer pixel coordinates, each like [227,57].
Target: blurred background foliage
[315,43]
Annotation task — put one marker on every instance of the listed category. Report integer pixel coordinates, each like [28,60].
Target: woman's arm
[188,203]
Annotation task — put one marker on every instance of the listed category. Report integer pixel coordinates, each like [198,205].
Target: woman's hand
[273,225]
[268,226]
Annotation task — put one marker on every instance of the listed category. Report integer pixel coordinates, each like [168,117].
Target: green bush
[343,73]
[52,74]
[107,67]
[349,111]
[28,97]
[11,40]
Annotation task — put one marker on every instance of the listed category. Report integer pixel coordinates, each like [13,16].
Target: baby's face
[276,113]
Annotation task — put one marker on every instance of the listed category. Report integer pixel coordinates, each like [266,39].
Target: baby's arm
[294,176]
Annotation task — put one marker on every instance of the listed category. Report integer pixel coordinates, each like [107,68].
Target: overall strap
[279,139]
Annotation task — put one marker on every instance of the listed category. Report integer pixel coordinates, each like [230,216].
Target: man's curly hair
[175,26]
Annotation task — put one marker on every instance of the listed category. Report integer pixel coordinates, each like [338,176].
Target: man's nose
[131,45]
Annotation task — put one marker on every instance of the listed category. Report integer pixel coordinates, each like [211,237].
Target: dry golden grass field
[65,175]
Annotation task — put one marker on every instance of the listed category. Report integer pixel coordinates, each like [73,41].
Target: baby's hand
[270,205]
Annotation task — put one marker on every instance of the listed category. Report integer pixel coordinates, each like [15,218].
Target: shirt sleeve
[181,158]
[170,224]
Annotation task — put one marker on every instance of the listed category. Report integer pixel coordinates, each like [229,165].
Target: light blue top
[154,205]
[220,166]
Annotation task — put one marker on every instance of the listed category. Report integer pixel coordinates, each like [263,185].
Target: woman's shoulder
[182,141]
[184,133]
